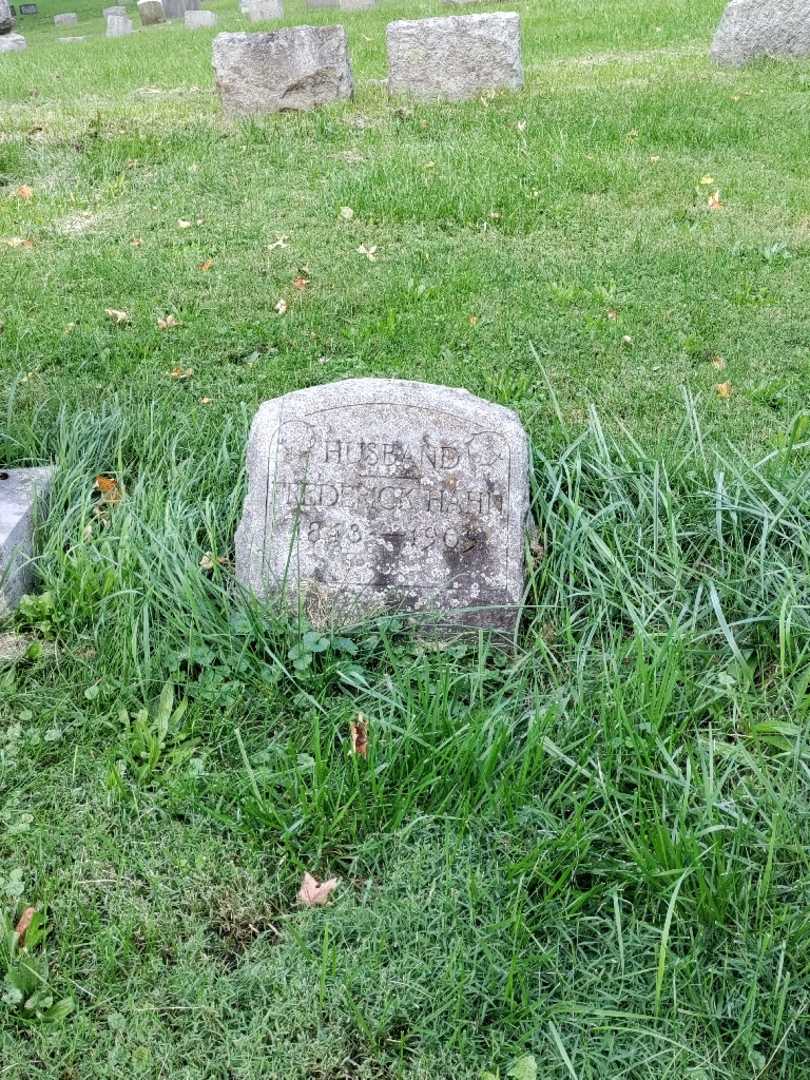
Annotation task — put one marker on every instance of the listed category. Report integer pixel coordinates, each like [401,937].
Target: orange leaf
[17,242]
[314,893]
[167,322]
[718,363]
[300,283]
[180,374]
[359,731]
[724,390]
[25,921]
[205,266]
[25,192]
[714,202]
[118,317]
[109,489]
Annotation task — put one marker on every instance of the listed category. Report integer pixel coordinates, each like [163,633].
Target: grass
[594,850]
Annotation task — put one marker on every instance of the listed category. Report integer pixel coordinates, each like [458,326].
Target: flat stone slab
[200,20]
[151,12]
[19,491]
[71,40]
[455,57]
[117,9]
[750,29]
[263,10]
[379,495]
[12,43]
[297,68]
[119,25]
[69,18]
[357,5]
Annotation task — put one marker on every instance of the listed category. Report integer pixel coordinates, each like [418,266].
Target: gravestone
[357,5]
[297,68]
[200,20]
[69,18]
[118,9]
[379,495]
[755,28]
[455,57]
[176,9]
[151,12]
[71,40]
[20,489]
[12,43]
[118,25]
[263,10]
[29,9]
[6,17]
[314,5]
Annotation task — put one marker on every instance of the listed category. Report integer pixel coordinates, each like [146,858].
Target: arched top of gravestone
[750,29]
[375,495]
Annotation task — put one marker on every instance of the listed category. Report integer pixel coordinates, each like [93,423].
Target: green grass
[595,850]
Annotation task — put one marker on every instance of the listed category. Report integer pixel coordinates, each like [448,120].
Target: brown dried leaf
[24,192]
[714,202]
[136,241]
[167,322]
[206,400]
[120,318]
[315,894]
[718,363]
[18,242]
[183,224]
[359,733]
[724,390]
[109,488]
[300,283]
[180,374]
[206,266]
[25,921]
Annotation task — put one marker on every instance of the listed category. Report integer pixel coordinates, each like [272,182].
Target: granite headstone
[19,491]
[757,28]
[380,495]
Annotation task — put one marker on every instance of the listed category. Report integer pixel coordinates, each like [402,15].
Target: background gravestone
[19,491]
[454,57]
[118,26]
[263,10]
[12,43]
[6,17]
[151,12]
[375,495]
[176,9]
[68,18]
[357,5]
[314,5]
[29,9]
[753,28]
[200,20]
[300,67]
[117,9]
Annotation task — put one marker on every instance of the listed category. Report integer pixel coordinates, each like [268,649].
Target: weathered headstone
[200,20]
[757,28]
[6,17]
[151,12]
[455,57]
[116,9]
[119,25]
[19,491]
[297,68]
[263,10]
[357,5]
[29,9]
[376,495]
[314,5]
[12,43]
[176,9]
[68,18]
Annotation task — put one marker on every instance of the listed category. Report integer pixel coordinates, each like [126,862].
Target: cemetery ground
[593,850]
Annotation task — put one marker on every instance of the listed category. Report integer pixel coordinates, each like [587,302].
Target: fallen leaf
[18,242]
[109,489]
[359,732]
[25,192]
[654,158]
[612,314]
[205,266]
[279,242]
[183,224]
[300,283]
[136,242]
[315,894]
[25,921]
[718,362]
[724,390]
[118,317]
[472,320]
[521,125]
[180,374]
[627,340]
[281,306]
[706,180]
[346,213]
[369,252]
[209,561]
[206,400]
[713,201]
[87,532]
[168,322]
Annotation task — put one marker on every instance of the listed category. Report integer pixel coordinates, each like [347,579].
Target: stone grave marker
[6,17]
[455,57]
[314,5]
[357,5]
[263,10]
[176,9]
[71,40]
[200,20]
[380,495]
[69,18]
[118,25]
[29,9]
[19,491]
[151,12]
[297,68]
[755,28]
[117,9]
[12,43]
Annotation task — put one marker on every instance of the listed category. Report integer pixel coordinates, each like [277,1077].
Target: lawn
[594,850]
